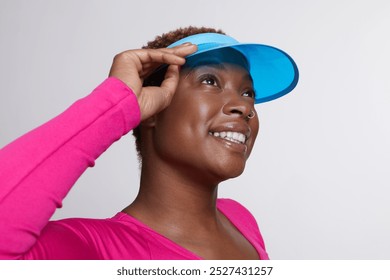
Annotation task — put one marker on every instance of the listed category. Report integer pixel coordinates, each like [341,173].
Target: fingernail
[187,44]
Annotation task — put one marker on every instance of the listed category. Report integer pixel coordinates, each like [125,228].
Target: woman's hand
[133,66]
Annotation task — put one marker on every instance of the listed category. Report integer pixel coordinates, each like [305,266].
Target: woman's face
[205,130]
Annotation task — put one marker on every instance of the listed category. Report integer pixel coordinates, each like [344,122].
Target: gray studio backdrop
[318,180]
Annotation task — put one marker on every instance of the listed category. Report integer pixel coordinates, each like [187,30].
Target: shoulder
[243,219]
[63,239]
[81,238]
[238,214]
[233,207]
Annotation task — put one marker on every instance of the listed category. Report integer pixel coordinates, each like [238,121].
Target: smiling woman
[211,101]
[190,97]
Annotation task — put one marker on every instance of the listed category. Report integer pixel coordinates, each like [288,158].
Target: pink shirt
[38,169]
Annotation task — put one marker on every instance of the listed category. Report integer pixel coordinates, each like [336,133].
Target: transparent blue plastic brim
[273,71]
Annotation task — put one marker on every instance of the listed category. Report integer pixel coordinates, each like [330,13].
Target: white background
[318,179]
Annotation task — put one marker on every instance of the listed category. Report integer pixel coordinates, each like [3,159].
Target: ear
[150,122]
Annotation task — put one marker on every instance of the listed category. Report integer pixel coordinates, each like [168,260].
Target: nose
[237,105]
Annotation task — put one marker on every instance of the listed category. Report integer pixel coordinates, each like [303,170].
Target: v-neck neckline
[183,250]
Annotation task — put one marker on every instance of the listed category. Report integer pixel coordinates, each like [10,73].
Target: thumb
[169,85]
[155,99]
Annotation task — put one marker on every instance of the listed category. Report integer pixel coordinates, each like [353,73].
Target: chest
[231,246]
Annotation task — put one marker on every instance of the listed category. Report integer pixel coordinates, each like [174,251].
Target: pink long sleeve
[38,169]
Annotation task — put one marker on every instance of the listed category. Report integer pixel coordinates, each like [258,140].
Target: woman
[194,104]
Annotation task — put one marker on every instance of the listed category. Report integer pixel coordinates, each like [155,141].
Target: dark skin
[183,163]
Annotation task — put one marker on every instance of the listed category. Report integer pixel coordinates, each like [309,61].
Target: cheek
[254,125]
[181,128]
[193,108]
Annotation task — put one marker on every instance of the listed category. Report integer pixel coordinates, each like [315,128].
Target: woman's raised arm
[38,169]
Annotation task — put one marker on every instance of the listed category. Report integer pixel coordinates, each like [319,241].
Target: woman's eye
[249,93]
[209,81]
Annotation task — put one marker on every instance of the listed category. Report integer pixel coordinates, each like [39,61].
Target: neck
[174,199]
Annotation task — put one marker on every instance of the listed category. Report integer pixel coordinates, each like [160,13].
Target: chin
[231,171]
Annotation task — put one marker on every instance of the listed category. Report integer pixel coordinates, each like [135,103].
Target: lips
[234,132]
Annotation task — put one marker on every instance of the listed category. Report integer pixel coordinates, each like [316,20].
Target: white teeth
[235,137]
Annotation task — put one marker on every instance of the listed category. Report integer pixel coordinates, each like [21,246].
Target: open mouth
[232,136]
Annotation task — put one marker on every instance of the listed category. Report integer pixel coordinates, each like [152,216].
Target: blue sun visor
[273,71]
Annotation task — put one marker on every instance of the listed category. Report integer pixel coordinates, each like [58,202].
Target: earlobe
[150,122]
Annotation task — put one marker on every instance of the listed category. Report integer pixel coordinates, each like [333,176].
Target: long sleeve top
[38,169]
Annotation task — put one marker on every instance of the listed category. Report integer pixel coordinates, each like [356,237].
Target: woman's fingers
[173,56]
[133,66]
[166,56]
